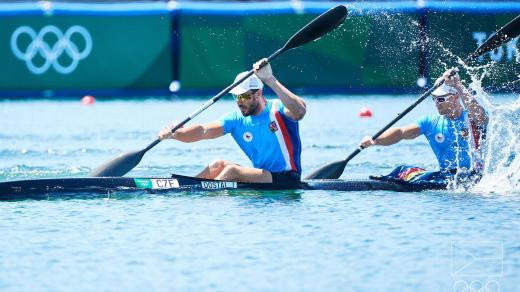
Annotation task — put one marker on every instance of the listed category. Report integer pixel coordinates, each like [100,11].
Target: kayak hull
[66,187]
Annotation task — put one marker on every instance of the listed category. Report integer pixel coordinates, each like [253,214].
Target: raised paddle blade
[120,165]
[332,170]
[320,26]
[503,35]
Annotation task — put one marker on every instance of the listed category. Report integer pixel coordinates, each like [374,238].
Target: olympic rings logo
[476,286]
[64,44]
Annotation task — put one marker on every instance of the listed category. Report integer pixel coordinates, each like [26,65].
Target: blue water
[245,240]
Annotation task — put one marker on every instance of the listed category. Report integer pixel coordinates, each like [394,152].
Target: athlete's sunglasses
[441,99]
[246,95]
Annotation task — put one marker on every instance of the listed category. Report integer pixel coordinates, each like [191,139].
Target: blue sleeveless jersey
[456,143]
[271,140]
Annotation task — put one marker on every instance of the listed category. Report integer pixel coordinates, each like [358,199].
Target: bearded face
[249,102]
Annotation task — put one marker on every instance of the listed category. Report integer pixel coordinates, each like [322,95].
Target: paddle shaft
[471,57]
[411,107]
[506,33]
[396,119]
[213,100]
[511,30]
[320,26]
[315,29]
[339,166]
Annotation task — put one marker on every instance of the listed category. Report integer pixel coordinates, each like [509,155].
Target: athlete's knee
[218,164]
[230,169]
[229,172]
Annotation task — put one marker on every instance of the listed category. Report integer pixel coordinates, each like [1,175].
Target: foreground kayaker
[266,130]
[455,134]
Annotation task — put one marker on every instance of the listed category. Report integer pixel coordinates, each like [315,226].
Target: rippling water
[297,240]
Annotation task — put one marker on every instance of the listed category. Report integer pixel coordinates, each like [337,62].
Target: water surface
[247,240]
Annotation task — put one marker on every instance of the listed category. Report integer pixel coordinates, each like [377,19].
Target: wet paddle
[317,28]
[511,30]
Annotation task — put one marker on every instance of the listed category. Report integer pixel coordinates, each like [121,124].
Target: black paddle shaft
[511,30]
[508,32]
[505,34]
[318,27]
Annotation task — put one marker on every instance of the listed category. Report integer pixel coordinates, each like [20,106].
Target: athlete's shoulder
[427,123]
[230,121]
[230,116]
[270,102]
[429,119]
[275,104]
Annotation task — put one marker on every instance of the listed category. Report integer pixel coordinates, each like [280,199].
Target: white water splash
[502,163]
[502,172]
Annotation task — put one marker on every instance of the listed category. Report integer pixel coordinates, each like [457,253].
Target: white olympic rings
[476,286]
[51,54]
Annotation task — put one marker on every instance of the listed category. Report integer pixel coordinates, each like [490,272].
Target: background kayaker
[455,133]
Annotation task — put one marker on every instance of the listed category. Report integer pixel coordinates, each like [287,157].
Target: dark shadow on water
[266,196]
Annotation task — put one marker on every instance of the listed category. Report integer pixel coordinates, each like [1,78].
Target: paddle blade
[320,26]
[120,165]
[503,35]
[332,170]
